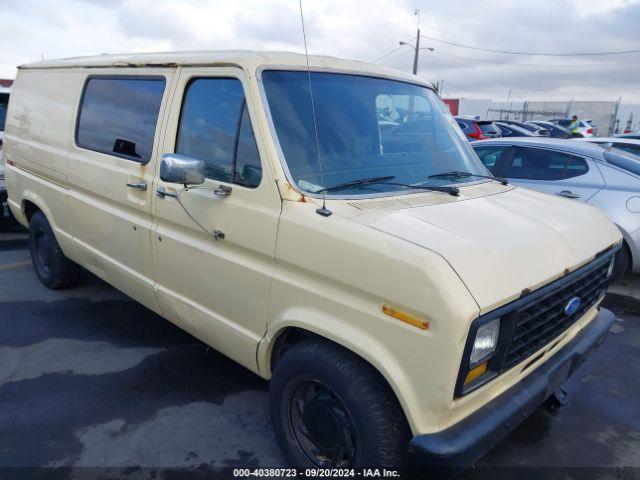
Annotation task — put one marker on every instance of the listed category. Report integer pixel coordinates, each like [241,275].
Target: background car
[4,103]
[542,131]
[555,131]
[606,178]
[632,135]
[585,128]
[515,131]
[629,145]
[478,129]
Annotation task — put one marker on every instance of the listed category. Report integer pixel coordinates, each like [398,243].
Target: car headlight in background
[485,342]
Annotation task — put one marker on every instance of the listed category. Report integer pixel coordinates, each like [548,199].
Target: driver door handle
[567,194]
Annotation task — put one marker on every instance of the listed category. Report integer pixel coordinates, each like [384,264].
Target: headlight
[485,342]
[611,264]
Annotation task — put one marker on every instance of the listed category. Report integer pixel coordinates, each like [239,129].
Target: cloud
[364,30]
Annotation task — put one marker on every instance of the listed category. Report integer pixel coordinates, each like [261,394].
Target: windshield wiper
[455,191]
[361,182]
[458,174]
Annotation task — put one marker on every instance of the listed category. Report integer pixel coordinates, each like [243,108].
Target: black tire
[621,263]
[54,270]
[350,409]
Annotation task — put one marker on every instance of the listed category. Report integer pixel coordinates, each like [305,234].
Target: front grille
[539,322]
[537,319]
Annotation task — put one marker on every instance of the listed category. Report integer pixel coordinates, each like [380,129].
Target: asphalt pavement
[94,384]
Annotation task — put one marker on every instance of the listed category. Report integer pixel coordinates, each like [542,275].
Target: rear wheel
[54,270]
[330,409]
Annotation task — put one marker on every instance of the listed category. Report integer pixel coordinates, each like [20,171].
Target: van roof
[248,60]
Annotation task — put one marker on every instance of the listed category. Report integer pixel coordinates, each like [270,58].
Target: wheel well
[287,339]
[290,336]
[30,209]
[626,246]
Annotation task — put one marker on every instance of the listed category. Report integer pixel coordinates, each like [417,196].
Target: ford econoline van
[330,229]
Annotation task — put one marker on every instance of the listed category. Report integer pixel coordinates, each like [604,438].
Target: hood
[501,244]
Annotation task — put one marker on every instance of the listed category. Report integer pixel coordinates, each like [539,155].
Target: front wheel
[330,409]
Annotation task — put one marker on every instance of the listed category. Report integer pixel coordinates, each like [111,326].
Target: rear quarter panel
[37,132]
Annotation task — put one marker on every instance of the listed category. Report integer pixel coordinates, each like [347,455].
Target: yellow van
[330,229]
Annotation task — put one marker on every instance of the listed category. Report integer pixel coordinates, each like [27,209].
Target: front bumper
[458,447]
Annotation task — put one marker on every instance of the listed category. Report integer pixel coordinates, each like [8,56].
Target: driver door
[214,258]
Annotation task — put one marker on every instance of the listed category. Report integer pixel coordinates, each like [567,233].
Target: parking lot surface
[93,382]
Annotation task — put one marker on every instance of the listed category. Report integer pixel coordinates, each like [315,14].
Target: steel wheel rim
[322,425]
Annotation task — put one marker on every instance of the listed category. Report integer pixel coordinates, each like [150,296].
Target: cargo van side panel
[37,136]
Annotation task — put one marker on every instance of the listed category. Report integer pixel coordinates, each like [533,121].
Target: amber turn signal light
[406,317]
[475,373]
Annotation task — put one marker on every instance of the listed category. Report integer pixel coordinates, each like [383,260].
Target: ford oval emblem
[572,306]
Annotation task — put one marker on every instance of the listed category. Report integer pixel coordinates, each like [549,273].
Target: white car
[586,128]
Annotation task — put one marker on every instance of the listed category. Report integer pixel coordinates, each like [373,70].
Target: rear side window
[118,116]
[215,127]
[490,156]
[623,160]
[489,128]
[539,164]
[506,131]
[633,149]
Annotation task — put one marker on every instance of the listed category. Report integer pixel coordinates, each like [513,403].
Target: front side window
[539,164]
[215,127]
[367,128]
[4,103]
[118,116]
[490,156]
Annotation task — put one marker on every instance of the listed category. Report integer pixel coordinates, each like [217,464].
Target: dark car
[555,131]
[509,130]
[542,131]
[478,129]
[4,103]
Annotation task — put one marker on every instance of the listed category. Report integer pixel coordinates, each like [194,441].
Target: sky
[363,30]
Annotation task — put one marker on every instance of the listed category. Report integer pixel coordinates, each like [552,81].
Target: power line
[551,54]
[388,54]
[482,60]
[393,51]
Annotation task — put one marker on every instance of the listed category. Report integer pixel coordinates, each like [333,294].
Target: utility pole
[416,47]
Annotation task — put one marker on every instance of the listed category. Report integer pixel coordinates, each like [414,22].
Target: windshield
[367,128]
[624,160]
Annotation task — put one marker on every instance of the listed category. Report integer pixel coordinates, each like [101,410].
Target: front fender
[359,341]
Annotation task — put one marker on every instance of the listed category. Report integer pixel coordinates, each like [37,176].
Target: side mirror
[176,168]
